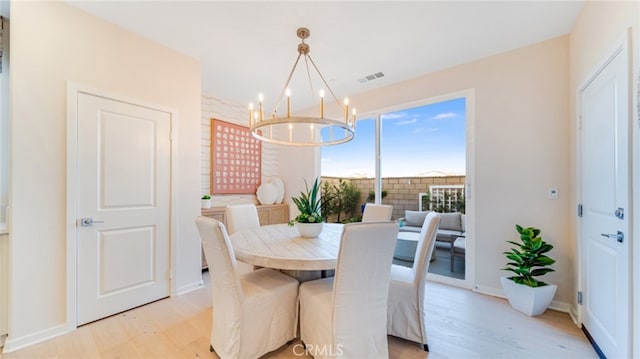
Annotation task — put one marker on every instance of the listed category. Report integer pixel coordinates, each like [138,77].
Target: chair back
[425,246]
[242,216]
[377,213]
[361,288]
[226,290]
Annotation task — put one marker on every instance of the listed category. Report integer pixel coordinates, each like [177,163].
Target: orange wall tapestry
[236,159]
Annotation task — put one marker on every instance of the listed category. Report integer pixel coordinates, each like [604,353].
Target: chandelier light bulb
[250,114]
[288,92]
[346,110]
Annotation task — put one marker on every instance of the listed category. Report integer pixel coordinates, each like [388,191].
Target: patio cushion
[415,218]
[451,221]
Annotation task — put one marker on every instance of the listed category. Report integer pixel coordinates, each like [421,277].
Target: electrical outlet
[553,193]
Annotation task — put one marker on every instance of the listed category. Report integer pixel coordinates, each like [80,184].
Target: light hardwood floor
[461,324]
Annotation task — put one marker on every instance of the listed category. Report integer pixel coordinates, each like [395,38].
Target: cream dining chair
[345,315]
[405,314]
[377,212]
[239,217]
[253,313]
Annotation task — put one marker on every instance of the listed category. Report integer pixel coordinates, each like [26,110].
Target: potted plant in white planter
[309,221]
[528,260]
[205,201]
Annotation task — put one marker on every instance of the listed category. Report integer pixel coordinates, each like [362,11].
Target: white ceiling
[249,47]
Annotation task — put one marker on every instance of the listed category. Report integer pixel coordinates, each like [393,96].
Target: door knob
[88,221]
[619,236]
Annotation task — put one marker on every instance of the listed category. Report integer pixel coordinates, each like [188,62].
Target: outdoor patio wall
[599,27]
[402,192]
[221,109]
[521,150]
[52,43]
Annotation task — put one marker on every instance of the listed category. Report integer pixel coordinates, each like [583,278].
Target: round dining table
[281,247]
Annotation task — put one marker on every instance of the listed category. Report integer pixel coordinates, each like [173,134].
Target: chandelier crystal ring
[302,131]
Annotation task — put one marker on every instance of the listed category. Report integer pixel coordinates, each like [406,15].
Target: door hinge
[579,297]
[580,210]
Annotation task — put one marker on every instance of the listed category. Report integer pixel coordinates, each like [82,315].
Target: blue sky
[415,141]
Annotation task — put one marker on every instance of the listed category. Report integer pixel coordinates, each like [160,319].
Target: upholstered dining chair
[377,212]
[239,217]
[405,314]
[253,313]
[345,315]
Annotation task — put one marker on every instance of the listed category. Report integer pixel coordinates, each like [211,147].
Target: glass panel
[355,158]
[424,141]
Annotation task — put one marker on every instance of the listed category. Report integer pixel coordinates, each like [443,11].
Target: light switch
[553,193]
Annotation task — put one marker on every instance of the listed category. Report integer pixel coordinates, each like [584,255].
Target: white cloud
[424,130]
[394,115]
[405,122]
[442,116]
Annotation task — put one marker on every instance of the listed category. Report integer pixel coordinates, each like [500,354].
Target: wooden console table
[267,213]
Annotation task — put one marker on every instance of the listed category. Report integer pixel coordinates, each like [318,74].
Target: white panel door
[605,179]
[124,187]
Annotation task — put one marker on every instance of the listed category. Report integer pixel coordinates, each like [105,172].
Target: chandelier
[302,131]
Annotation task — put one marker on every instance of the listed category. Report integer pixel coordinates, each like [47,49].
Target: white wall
[598,28]
[53,43]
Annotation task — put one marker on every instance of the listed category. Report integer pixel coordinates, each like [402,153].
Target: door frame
[73,91]
[622,45]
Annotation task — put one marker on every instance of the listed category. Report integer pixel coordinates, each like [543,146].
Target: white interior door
[124,187]
[605,225]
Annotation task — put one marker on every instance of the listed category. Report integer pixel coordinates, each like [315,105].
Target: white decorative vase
[309,230]
[205,203]
[528,300]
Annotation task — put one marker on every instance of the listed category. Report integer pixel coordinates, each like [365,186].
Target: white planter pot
[309,230]
[205,203]
[528,300]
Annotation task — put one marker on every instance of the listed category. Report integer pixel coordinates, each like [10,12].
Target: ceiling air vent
[370,77]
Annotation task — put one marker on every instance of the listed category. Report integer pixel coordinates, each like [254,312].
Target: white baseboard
[574,317]
[13,344]
[498,292]
[189,287]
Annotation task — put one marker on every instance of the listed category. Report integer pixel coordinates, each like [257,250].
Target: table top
[408,236]
[281,247]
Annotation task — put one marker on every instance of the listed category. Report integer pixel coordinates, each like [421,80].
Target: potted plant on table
[528,260]
[205,201]
[309,221]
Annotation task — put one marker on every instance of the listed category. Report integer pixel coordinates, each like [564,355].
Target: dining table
[281,247]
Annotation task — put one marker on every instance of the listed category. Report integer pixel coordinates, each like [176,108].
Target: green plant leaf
[527,258]
[541,271]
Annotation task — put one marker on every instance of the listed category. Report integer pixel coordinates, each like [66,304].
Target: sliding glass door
[416,161]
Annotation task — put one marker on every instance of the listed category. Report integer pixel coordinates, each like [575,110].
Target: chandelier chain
[286,84]
[324,81]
